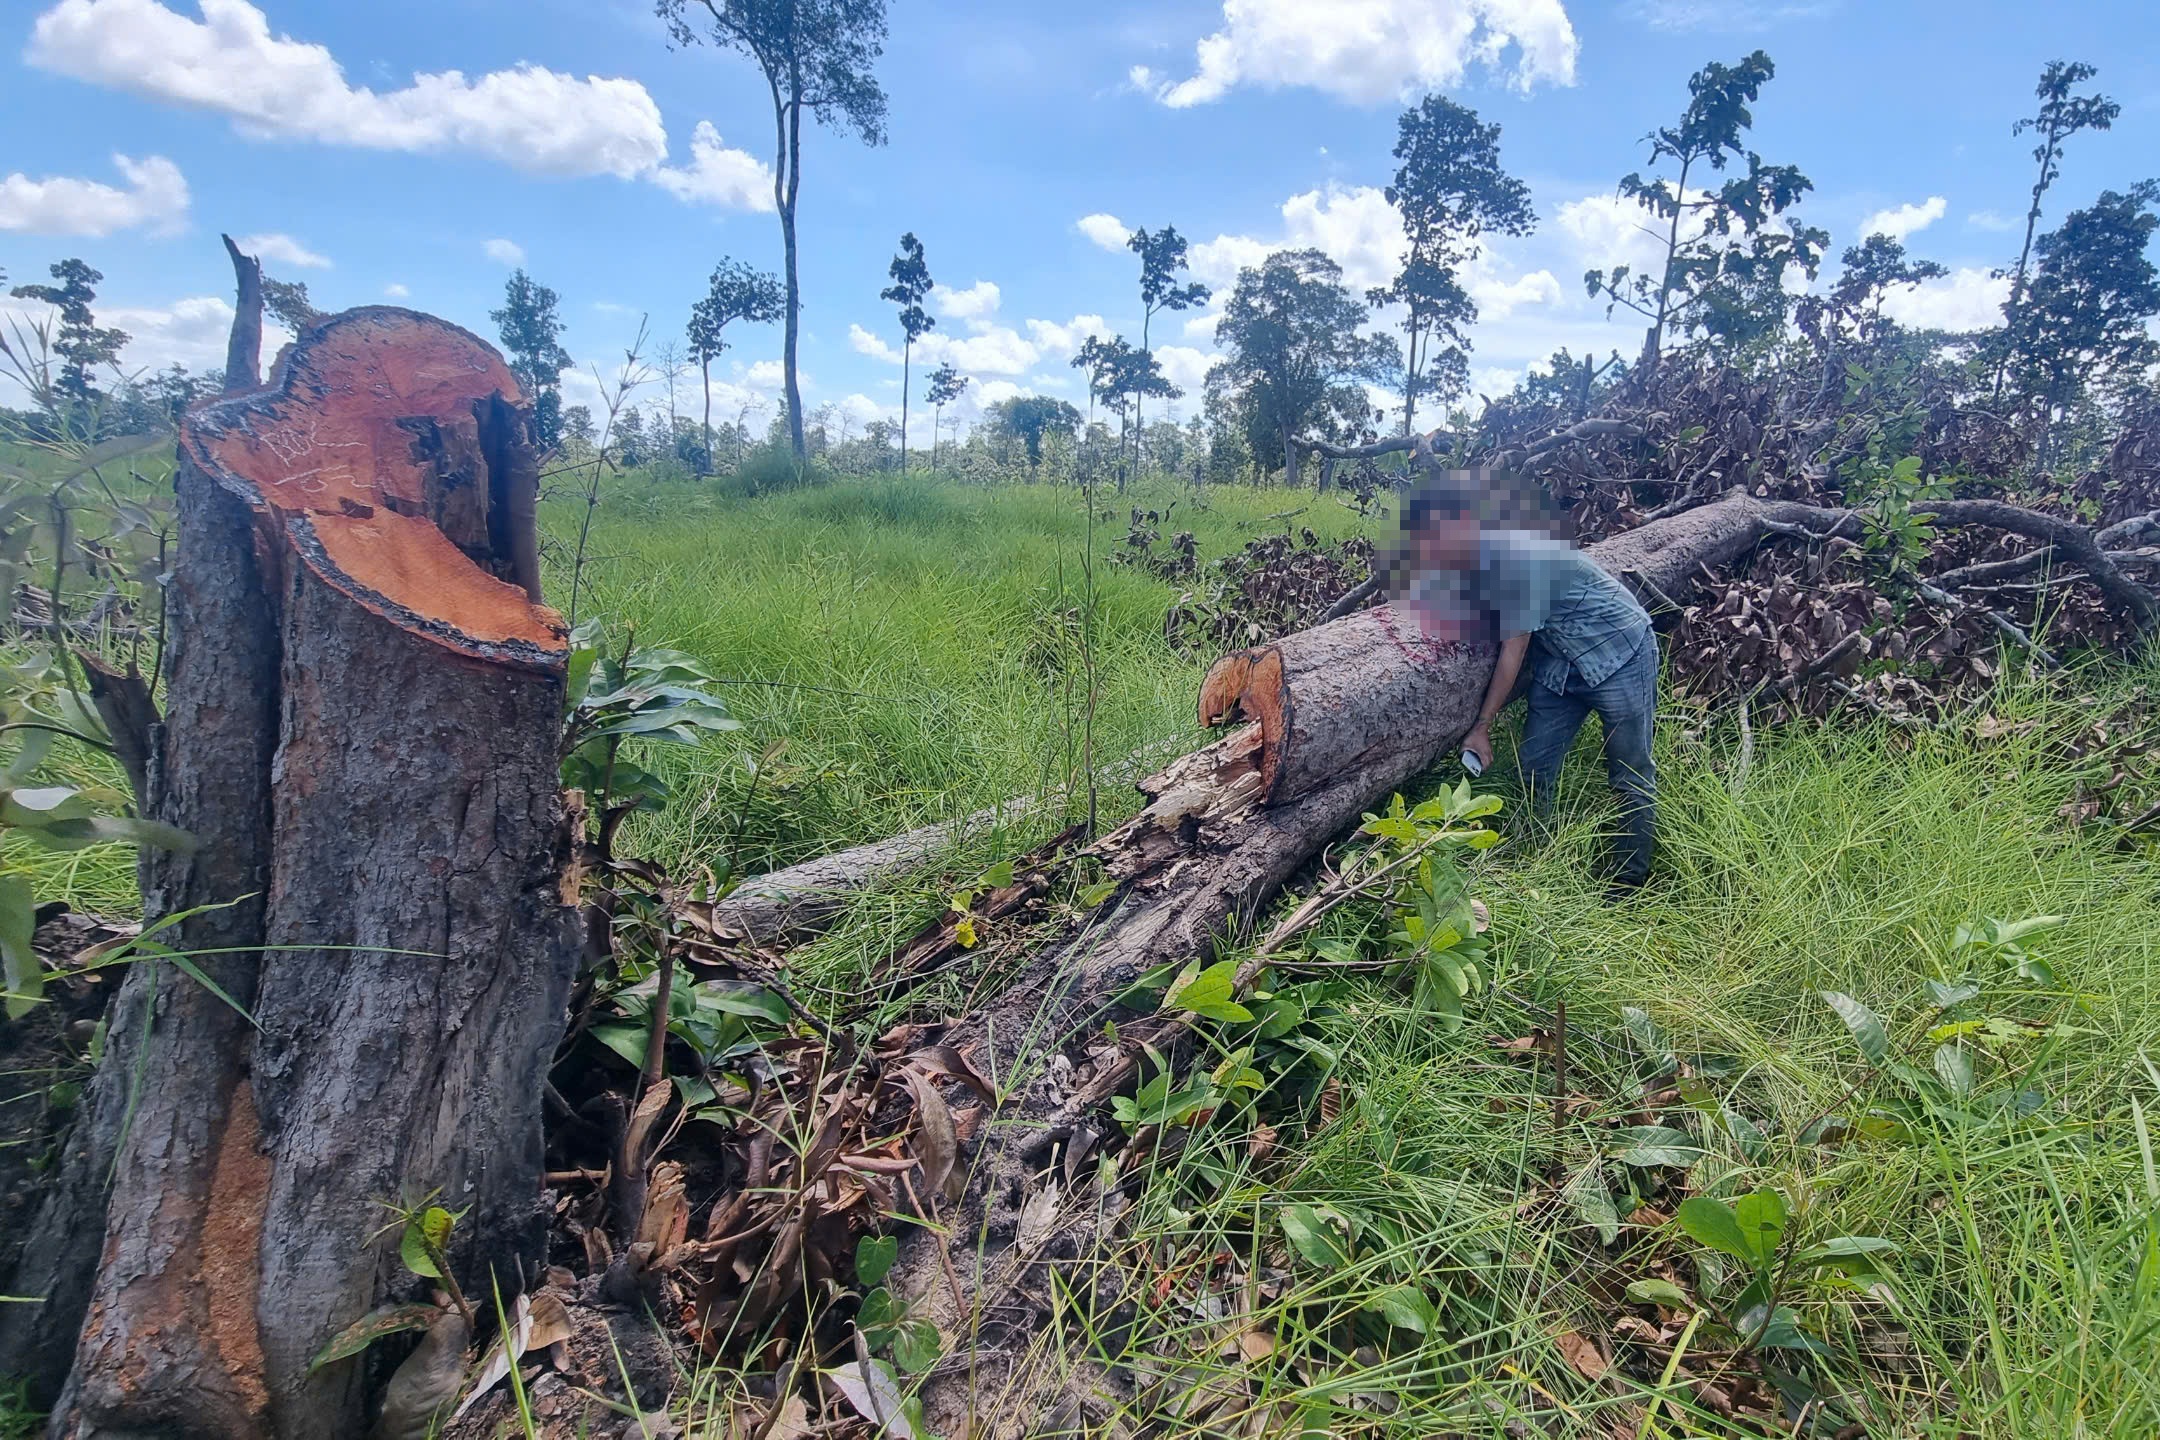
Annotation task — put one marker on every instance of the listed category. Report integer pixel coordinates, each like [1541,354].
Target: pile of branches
[1923,581]
[1274,585]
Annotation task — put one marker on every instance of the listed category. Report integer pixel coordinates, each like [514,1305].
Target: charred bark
[364,709]
[1223,829]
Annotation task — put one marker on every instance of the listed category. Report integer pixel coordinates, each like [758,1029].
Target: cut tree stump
[364,713]
[1343,716]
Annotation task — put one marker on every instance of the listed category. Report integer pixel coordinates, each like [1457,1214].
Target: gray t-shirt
[1528,583]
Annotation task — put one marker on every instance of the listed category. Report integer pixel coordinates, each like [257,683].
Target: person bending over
[1473,567]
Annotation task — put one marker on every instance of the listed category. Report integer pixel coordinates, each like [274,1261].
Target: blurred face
[1447,542]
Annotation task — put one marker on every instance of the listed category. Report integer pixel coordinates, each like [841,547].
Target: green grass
[912,645]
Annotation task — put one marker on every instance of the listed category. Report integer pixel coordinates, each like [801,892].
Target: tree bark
[1223,829]
[365,705]
[243,347]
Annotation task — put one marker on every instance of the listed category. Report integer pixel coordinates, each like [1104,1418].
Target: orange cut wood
[341,459]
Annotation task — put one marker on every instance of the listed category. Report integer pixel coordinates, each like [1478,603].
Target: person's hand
[1479,743]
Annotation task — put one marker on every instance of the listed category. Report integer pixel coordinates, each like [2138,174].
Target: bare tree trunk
[1290,459]
[907,359]
[705,374]
[243,348]
[365,703]
[791,175]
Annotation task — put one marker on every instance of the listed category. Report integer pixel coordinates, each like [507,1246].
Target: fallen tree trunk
[1345,714]
[364,710]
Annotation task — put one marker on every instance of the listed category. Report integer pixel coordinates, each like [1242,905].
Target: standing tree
[1295,358]
[816,56]
[736,292]
[1730,287]
[1162,256]
[1029,418]
[1134,375]
[1868,273]
[1449,189]
[910,287]
[2088,311]
[79,341]
[946,386]
[2060,115]
[532,337]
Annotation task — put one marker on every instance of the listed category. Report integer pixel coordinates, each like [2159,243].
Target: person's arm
[1479,741]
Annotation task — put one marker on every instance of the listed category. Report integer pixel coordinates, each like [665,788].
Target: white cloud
[156,196]
[1498,299]
[1369,51]
[1905,219]
[865,343]
[1965,299]
[717,175]
[281,249]
[764,375]
[1062,342]
[505,252]
[1357,227]
[273,86]
[1608,230]
[1202,326]
[1185,367]
[1107,231]
[395,291]
[972,307]
[1989,220]
[190,332]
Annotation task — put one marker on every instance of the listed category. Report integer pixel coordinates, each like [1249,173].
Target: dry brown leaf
[1582,1353]
[550,1322]
[1262,1143]
[1255,1345]
[1038,1218]
[935,1143]
[666,1220]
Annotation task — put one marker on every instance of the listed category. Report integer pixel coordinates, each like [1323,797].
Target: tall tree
[80,342]
[1031,418]
[1724,266]
[735,292]
[2089,307]
[911,286]
[946,386]
[1162,257]
[1867,273]
[817,56]
[1295,356]
[2060,115]
[1450,189]
[532,339]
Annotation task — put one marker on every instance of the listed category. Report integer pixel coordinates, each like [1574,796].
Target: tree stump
[365,703]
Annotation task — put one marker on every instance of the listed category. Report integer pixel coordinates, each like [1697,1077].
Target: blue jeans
[1627,703]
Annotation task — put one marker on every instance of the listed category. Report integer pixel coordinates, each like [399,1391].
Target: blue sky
[572,136]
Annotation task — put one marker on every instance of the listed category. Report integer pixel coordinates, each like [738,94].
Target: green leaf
[24,972]
[1659,1292]
[1866,1027]
[880,1311]
[1712,1223]
[1761,1217]
[1954,1068]
[1408,1307]
[1594,1203]
[1313,1236]
[431,1226]
[997,877]
[371,1327]
[1845,1248]
[874,1257]
[1091,896]
[735,998]
[916,1346]
[1650,1145]
[1949,996]
[1208,994]
[628,1041]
